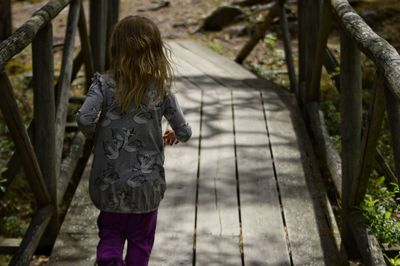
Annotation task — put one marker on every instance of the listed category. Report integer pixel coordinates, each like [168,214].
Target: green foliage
[380,208]
[393,261]
[270,40]
[215,46]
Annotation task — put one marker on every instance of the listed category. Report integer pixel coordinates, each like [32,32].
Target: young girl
[122,112]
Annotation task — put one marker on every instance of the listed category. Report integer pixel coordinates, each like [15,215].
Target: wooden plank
[32,236]
[22,142]
[9,245]
[264,236]
[302,210]
[217,232]
[77,240]
[300,204]
[175,226]
[229,71]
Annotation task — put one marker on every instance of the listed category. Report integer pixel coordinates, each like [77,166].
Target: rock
[239,30]
[160,4]
[222,17]
[250,2]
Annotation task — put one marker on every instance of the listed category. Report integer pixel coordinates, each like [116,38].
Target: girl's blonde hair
[138,56]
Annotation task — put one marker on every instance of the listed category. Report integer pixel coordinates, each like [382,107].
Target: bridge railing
[359,144]
[38,149]
[351,170]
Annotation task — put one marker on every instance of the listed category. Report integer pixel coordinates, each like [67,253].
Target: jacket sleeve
[173,113]
[91,107]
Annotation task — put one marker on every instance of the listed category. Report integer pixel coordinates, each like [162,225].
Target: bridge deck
[243,189]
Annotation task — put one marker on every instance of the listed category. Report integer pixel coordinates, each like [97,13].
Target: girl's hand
[169,137]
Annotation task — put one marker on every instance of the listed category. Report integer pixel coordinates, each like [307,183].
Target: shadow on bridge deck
[244,190]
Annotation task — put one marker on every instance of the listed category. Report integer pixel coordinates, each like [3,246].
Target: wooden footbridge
[247,189]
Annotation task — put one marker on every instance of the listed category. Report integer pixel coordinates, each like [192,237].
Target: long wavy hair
[138,56]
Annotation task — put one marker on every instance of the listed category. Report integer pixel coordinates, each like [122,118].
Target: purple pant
[115,228]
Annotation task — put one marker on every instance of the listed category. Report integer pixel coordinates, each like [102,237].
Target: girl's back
[127,173]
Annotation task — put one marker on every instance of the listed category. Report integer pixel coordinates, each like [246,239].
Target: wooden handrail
[25,34]
[384,55]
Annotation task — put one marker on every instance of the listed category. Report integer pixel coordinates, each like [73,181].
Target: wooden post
[351,116]
[313,91]
[22,142]
[393,111]
[34,232]
[44,116]
[288,46]
[369,142]
[112,19]
[5,19]
[85,46]
[331,65]
[65,79]
[258,35]
[98,33]
[311,41]
[301,48]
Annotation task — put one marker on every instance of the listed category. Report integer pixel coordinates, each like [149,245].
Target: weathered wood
[65,80]
[288,46]
[312,24]
[218,230]
[44,129]
[112,19]
[302,33]
[393,111]
[351,117]
[384,169]
[23,145]
[14,163]
[385,56]
[68,165]
[327,153]
[331,65]
[307,248]
[367,243]
[9,245]
[5,19]
[76,65]
[371,135]
[264,238]
[325,21]
[98,33]
[24,35]
[299,202]
[32,236]
[78,235]
[180,198]
[258,34]
[86,48]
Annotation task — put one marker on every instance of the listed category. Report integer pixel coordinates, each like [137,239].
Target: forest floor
[179,20]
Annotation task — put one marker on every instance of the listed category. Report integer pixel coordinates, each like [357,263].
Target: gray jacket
[127,174]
